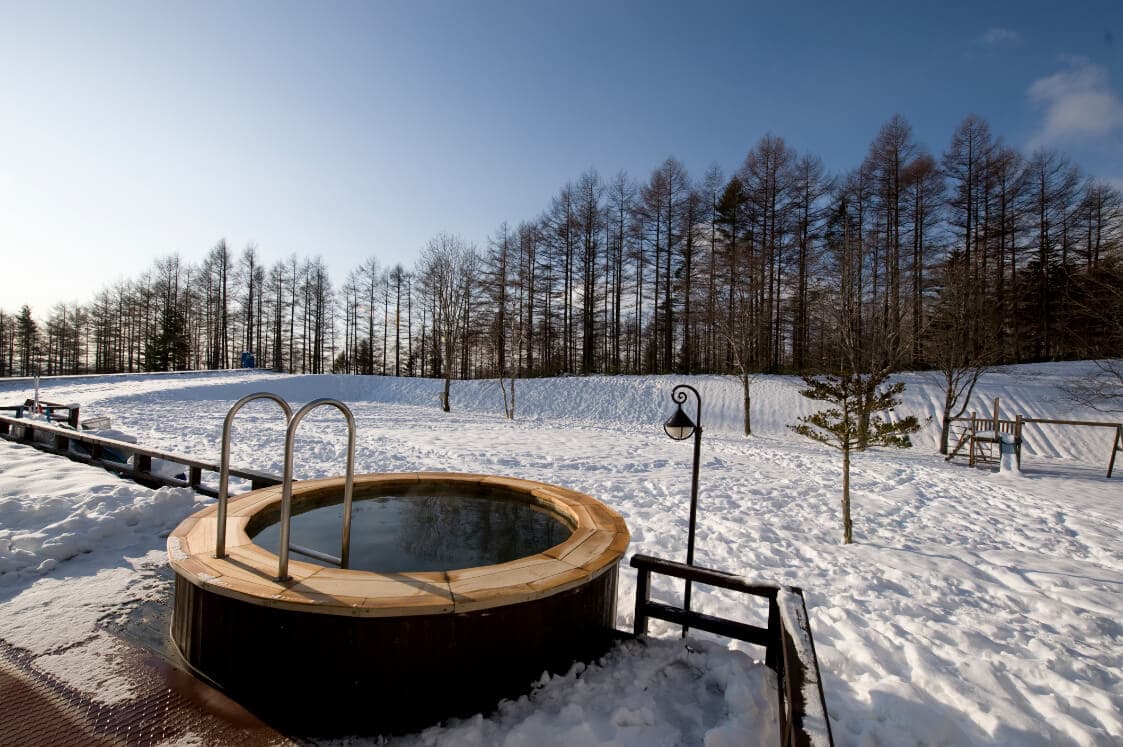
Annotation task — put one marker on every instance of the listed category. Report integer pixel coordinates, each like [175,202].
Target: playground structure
[983,436]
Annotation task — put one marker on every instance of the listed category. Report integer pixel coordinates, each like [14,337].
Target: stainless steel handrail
[224,462]
[286,490]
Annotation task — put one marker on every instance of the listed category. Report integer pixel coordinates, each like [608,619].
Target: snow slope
[974,608]
[621,401]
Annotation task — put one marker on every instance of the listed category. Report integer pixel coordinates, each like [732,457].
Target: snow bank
[80,550]
[52,510]
[640,695]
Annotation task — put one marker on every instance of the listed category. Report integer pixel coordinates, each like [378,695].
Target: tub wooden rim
[596,546]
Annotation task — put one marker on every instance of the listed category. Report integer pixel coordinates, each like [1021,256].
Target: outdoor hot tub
[462,590]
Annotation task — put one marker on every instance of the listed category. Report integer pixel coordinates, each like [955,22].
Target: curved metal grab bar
[286,494]
[224,462]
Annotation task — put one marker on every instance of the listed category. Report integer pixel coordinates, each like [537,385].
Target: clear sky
[348,130]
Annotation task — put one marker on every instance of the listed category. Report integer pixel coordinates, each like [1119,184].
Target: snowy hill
[629,402]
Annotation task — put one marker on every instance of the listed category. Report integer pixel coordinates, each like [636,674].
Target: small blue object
[247,360]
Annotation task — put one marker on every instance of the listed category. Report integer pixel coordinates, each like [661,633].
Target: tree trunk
[945,423]
[444,394]
[745,384]
[847,525]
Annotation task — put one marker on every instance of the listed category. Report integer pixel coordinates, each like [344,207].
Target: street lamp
[680,427]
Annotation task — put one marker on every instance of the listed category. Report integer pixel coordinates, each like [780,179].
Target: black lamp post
[680,427]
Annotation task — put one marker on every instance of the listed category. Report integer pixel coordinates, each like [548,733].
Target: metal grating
[38,709]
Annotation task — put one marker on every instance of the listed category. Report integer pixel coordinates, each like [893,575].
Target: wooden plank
[958,446]
[1115,448]
[772,657]
[187,461]
[1093,423]
[720,579]
[701,621]
[795,636]
[1018,439]
[1100,423]
[971,457]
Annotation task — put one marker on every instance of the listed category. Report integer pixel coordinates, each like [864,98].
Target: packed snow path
[973,608]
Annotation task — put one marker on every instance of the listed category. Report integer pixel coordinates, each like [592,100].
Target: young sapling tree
[853,420]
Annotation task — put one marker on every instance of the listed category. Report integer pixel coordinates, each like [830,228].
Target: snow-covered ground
[973,608]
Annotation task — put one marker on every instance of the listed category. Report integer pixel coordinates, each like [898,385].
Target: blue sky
[133,130]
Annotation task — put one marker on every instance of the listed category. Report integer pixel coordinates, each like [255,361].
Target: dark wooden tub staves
[334,675]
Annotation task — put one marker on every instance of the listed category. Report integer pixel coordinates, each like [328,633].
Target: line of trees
[997,254]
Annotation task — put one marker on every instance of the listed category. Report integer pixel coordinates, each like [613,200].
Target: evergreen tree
[27,341]
[170,348]
[852,421]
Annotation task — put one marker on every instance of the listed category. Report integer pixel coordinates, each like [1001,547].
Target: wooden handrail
[1071,422]
[789,647]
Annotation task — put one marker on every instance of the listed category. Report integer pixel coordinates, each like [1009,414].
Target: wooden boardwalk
[96,450]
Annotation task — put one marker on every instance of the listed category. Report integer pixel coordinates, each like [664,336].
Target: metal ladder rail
[286,495]
[224,462]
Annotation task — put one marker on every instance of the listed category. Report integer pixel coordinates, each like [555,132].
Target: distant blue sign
[247,360]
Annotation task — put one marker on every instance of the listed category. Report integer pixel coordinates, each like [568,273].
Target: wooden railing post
[643,592]
[772,656]
[1116,447]
[1018,440]
[971,458]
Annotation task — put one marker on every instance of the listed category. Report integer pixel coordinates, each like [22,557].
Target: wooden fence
[789,648]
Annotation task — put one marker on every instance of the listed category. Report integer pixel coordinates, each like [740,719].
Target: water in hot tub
[441,532]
